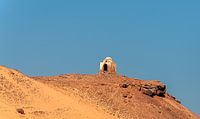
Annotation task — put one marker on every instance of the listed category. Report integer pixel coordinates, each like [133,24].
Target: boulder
[153,88]
[20,110]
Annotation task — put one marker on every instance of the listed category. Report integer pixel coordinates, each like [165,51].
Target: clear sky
[148,40]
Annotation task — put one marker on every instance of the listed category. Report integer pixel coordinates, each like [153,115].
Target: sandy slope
[40,101]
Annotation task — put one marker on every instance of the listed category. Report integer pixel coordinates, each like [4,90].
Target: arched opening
[105,67]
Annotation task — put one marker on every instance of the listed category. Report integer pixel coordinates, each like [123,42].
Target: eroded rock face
[153,88]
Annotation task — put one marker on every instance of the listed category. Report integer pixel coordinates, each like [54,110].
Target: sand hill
[75,96]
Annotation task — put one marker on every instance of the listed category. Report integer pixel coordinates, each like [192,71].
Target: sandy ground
[40,101]
[75,96]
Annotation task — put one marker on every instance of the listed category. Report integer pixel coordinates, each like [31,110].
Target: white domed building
[108,66]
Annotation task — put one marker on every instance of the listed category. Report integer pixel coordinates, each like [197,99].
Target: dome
[108,58]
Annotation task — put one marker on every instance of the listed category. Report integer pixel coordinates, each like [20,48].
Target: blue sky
[148,40]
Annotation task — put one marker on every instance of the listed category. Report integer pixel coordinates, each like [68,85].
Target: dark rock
[153,88]
[178,101]
[160,93]
[20,110]
[125,95]
[124,85]
[130,96]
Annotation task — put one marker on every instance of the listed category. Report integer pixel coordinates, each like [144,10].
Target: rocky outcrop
[153,88]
